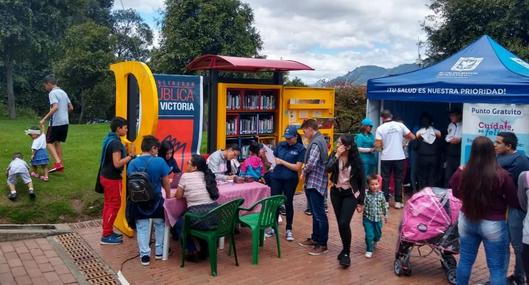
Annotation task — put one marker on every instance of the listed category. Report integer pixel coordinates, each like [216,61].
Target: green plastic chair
[258,222]
[226,215]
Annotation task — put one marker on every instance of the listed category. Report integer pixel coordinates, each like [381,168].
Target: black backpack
[139,186]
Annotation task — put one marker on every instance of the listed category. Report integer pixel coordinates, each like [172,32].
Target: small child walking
[374,212]
[39,155]
[18,168]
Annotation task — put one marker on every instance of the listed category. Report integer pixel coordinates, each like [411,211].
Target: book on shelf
[245,151]
[251,101]
[233,100]
[248,125]
[267,102]
[266,125]
[232,126]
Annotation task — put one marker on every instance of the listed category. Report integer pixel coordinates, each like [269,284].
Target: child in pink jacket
[253,165]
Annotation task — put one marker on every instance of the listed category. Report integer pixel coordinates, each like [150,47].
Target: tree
[191,28]
[16,36]
[133,36]
[83,68]
[349,108]
[29,33]
[455,24]
[295,82]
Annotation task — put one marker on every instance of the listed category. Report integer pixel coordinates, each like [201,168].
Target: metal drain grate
[91,267]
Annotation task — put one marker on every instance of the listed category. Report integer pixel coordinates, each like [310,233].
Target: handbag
[99,187]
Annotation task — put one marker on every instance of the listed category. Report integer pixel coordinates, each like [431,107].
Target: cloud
[149,10]
[140,5]
[333,37]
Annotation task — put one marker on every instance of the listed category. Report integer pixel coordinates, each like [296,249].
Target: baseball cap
[367,122]
[290,132]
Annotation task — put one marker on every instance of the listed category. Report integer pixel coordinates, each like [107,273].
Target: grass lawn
[67,196]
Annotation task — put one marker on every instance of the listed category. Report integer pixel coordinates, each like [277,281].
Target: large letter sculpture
[132,79]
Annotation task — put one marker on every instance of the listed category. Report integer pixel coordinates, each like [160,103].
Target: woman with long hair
[347,189]
[166,152]
[486,190]
[199,187]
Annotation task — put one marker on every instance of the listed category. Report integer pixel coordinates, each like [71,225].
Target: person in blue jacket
[365,141]
[289,155]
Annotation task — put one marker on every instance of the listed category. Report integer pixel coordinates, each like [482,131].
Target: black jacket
[357,181]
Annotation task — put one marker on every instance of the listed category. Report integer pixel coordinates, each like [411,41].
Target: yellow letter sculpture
[148,116]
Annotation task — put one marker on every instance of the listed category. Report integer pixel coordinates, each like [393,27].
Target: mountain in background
[360,75]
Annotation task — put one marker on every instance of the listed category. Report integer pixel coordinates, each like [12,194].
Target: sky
[333,36]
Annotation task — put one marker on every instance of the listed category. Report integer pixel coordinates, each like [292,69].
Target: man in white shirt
[389,139]
[221,164]
[60,106]
[453,149]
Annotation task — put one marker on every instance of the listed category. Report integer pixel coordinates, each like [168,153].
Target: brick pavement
[295,267]
[32,261]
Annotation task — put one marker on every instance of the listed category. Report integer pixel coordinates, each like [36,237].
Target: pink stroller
[429,219]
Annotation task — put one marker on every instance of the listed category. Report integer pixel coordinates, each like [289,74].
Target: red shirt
[505,195]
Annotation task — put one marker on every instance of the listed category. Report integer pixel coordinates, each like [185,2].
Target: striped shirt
[375,206]
[194,187]
[314,171]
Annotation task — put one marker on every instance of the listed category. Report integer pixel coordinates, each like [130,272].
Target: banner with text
[489,120]
[180,110]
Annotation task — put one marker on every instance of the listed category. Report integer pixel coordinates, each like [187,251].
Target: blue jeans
[495,237]
[515,221]
[286,187]
[320,224]
[143,236]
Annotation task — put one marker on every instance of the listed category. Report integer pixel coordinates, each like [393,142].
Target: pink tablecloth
[250,192]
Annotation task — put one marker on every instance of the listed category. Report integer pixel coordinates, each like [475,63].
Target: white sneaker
[269,232]
[398,205]
[289,235]
[369,254]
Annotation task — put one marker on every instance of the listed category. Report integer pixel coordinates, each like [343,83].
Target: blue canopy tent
[483,72]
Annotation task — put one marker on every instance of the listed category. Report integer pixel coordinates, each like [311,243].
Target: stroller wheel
[407,268]
[397,267]
[448,262]
[451,275]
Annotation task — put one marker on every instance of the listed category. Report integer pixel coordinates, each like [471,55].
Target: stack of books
[248,125]
[234,101]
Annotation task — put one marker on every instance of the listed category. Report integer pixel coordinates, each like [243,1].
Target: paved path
[33,261]
[295,267]
[44,261]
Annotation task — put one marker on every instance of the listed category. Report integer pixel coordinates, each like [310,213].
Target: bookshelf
[251,113]
[259,112]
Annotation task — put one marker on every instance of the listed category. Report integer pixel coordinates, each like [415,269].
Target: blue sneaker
[110,240]
[117,236]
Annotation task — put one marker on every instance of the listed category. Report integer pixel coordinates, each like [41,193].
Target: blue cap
[290,132]
[367,122]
